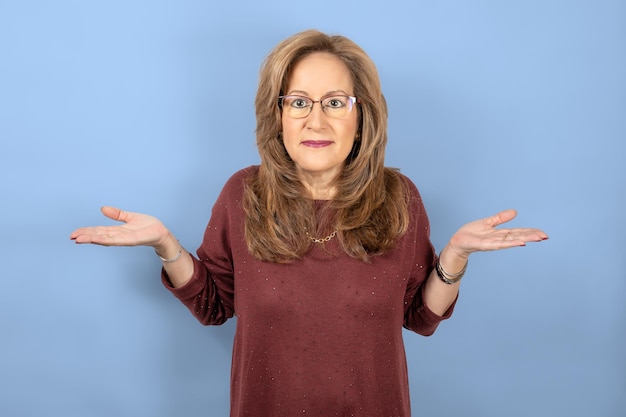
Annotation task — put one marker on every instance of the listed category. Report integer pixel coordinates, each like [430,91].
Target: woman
[321,252]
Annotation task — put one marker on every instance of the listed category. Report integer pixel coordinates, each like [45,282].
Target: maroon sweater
[321,336]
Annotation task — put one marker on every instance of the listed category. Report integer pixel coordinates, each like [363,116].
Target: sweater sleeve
[417,316]
[209,295]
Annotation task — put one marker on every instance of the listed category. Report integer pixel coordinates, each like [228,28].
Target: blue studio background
[148,106]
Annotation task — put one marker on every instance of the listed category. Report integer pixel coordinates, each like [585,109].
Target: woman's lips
[316,143]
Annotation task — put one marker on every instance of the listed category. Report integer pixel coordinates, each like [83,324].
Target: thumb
[502,217]
[114,213]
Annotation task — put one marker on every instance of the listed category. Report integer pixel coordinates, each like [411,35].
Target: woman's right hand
[138,230]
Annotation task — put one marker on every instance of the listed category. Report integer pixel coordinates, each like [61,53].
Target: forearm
[177,261]
[438,295]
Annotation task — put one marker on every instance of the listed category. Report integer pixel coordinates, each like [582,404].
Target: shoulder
[413,198]
[243,175]
[237,182]
[409,188]
[233,190]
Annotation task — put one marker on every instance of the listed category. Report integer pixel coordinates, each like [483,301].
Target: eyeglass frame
[353,100]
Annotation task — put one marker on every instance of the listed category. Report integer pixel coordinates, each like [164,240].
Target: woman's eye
[335,102]
[300,103]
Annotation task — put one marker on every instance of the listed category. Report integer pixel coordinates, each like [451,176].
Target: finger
[115,213]
[507,244]
[502,217]
[99,235]
[80,234]
[528,234]
[103,240]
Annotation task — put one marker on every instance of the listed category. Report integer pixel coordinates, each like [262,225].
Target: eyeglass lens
[333,106]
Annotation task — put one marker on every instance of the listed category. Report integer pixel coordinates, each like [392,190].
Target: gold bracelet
[447,277]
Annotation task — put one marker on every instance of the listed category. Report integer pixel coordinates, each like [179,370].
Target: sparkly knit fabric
[321,336]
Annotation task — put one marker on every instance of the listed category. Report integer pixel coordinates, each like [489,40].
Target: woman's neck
[320,187]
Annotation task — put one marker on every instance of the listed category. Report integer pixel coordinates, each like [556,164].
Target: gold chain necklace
[322,240]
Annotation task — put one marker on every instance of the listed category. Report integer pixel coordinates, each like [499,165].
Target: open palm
[482,235]
[137,230]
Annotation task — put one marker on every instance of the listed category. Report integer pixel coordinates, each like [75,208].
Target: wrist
[454,246]
[169,250]
[451,265]
[447,277]
[453,257]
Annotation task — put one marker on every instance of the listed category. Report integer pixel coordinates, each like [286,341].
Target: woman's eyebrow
[329,93]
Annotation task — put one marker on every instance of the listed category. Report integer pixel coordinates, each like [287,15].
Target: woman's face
[319,143]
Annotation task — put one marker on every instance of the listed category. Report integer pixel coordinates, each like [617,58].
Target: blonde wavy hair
[370,208]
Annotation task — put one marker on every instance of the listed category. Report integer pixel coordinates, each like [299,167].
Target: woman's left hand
[482,235]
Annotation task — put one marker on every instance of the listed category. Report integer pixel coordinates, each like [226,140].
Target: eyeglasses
[333,106]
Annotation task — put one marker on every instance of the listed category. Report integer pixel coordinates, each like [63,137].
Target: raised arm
[140,230]
[476,236]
